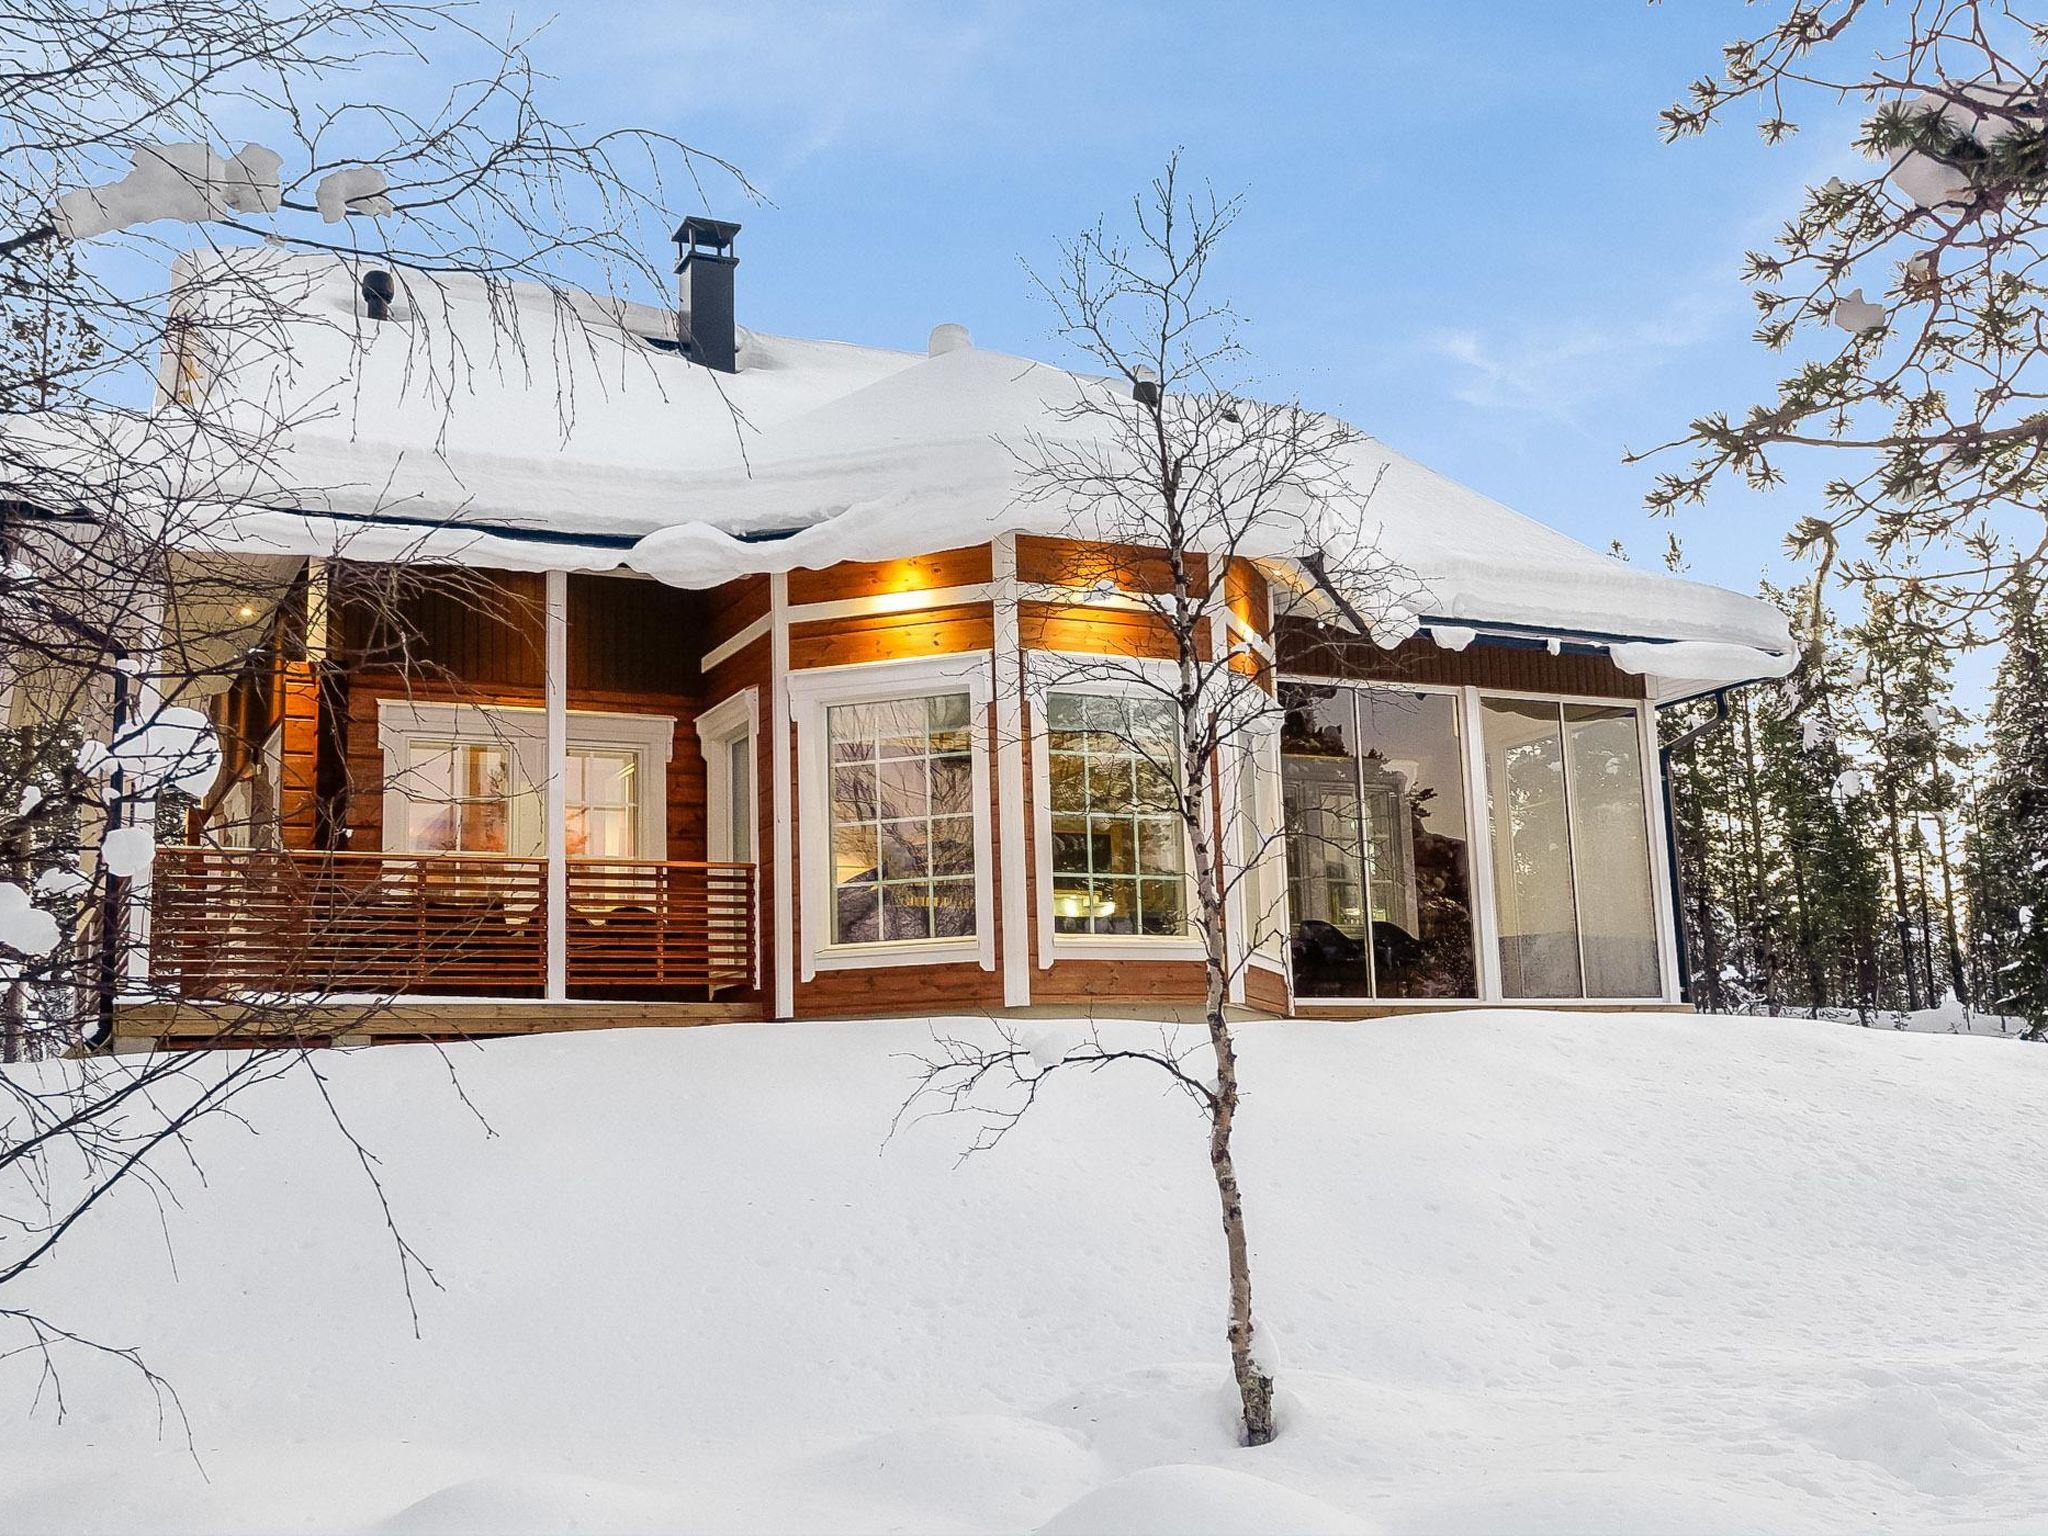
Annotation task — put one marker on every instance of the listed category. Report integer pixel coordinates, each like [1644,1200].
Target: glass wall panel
[1532,849]
[1413,775]
[1378,843]
[1326,868]
[1611,839]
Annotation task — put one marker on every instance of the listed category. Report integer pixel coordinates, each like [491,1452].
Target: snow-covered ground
[1539,1273]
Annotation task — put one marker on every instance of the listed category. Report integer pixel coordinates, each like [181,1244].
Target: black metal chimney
[706,262]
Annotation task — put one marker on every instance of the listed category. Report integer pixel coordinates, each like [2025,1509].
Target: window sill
[1083,947]
[869,957]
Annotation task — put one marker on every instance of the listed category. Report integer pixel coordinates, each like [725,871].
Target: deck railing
[229,922]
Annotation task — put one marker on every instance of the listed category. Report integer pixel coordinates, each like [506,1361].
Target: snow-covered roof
[445,431]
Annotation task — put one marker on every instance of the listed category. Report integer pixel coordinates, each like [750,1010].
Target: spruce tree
[2008,878]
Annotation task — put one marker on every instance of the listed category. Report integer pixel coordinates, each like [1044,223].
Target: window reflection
[1571,850]
[902,820]
[1378,848]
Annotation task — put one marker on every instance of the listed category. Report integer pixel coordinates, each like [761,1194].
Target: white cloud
[1559,370]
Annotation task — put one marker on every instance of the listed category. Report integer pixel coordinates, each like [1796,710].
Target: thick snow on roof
[445,415]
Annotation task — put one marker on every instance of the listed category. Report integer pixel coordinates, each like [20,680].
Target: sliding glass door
[1571,850]
[1378,847]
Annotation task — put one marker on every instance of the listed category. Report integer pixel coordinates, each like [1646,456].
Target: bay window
[902,810]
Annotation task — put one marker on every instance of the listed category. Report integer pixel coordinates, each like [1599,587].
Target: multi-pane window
[902,798]
[473,797]
[603,804]
[1118,843]
[459,797]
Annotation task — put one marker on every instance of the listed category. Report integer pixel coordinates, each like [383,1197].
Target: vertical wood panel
[1306,651]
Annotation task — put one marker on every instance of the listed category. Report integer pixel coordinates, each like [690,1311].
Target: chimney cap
[709,236]
[948,336]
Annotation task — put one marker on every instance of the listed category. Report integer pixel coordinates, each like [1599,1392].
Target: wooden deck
[190,1026]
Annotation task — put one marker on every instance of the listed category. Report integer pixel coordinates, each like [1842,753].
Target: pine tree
[1825,861]
[2008,862]
[1913,740]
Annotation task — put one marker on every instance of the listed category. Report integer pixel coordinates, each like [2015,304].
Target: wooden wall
[1307,651]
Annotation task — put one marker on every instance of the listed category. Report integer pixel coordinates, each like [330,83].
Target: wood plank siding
[1308,651]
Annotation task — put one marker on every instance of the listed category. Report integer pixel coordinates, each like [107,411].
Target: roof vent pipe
[949,337]
[379,289]
[705,262]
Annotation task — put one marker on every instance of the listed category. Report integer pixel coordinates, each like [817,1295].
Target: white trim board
[725,650]
[1009,708]
[872,603]
[779,796]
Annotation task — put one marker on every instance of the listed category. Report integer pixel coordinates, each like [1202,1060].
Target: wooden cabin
[730,699]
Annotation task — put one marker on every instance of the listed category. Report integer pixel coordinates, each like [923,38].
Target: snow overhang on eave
[398,540]
[1673,670]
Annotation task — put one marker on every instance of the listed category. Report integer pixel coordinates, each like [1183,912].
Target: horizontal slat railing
[237,921]
[647,923]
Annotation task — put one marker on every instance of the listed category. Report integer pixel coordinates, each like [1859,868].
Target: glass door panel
[1611,841]
[1328,877]
[1534,888]
[1413,773]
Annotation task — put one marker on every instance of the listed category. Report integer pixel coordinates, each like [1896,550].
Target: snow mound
[534,1504]
[1199,1501]
[1905,1429]
[961,1468]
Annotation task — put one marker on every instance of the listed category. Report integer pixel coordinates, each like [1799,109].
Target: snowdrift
[1541,1273]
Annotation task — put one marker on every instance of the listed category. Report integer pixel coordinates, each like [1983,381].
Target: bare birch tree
[1173,481]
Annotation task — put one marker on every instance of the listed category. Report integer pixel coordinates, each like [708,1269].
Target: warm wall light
[246,612]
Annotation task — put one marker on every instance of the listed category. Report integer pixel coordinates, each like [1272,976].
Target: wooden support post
[556,819]
[148,704]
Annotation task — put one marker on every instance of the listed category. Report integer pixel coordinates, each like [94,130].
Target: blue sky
[1461,228]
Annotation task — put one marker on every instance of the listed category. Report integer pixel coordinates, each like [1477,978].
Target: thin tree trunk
[1904,918]
[1254,1386]
[1767,959]
[1957,977]
[1816,982]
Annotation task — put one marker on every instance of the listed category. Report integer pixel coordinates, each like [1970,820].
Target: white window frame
[726,722]
[1047,672]
[522,730]
[812,692]
[1261,757]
